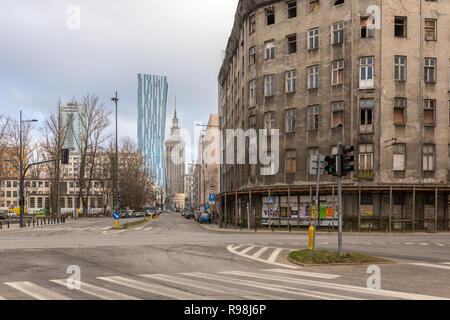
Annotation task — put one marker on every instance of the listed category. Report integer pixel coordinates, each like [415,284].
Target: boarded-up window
[430,29]
[399,157]
[429,109]
[366,157]
[399,110]
[291,161]
[337,113]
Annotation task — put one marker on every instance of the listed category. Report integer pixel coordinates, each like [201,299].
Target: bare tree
[4,124]
[54,134]
[93,136]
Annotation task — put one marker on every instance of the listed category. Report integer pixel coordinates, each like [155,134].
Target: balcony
[366,174]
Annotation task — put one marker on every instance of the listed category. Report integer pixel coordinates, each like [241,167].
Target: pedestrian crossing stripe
[96,291]
[36,291]
[430,265]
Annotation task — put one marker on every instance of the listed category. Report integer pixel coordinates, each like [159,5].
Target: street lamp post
[116,198]
[21,177]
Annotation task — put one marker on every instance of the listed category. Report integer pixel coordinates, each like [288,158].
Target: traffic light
[347,160]
[330,166]
[65,156]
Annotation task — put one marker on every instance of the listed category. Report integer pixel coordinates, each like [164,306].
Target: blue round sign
[116,215]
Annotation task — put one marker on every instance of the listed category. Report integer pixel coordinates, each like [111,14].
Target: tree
[54,134]
[4,124]
[94,124]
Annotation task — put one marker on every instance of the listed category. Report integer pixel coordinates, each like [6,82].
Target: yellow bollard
[151,216]
[117,224]
[311,238]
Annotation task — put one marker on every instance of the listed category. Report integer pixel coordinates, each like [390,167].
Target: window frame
[337,69]
[337,33]
[398,65]
[291,81]
[313,74]
[271,84]
[314,38]
[313,117]
[291,120]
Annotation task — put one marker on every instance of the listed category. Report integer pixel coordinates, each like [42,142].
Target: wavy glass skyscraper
[152,106]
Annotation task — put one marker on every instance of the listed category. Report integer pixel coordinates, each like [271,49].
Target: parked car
[189,215]
[139,214]
[204,218]
[3,215]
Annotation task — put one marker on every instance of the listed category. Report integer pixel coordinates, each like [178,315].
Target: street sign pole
[339,171]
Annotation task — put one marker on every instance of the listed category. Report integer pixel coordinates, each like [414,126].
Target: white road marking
[409,243]
[1,298]
[446,263]
[247,250]
[149,228]
[430,265]
[153,288]
[424,244]
[106,228]
[96,228]
[260,252]
[96,291]
[440,244]
[237,247]
[273,257]
[385,293]
[271,287]
[36,291]
[233,250]
[306,274]
[139,228]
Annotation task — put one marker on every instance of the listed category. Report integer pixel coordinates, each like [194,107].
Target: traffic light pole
[317,203]
[339,171]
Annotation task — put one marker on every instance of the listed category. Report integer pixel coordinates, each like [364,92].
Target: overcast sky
[42,59]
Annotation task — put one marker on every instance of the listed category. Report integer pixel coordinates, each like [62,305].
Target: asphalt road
[174,258]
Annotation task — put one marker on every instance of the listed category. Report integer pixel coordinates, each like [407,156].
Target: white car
[12,214]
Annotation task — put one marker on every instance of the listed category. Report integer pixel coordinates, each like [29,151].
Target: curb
[339,264]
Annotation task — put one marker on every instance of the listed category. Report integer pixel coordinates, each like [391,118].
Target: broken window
[292,9]
[337,72]
[337,2]
[367,27]
[252,86]
[270,50]
[270,16]
[292,43]
[252,55]
[337,114]
[366,112]
[252,24]
[314,5]
[313,118]
[291,161]
[429,115]
[400,27]
[290,120]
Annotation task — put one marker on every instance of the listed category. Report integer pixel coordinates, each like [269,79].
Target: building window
[365,157]
[269,120]
[337,35]
[292,9]
[39,203]
[252,87]
[400,68]
[252,24]
[367,27]
[291,81]
[69,202]
[366,75]
[399,157]
[252,122]
[428,157]
[291,161]
[337,114]
[32,202]
[270,50]
[337,72]
[290,120]
[313,39]
[400,27]
[429,114]
[366,111]
[366,199]
[270,15]
[269,85]
[430,70]
[430,29]
[313,118]
[314,5]
[252,55]
[313,76]
[399,111]
[292,43]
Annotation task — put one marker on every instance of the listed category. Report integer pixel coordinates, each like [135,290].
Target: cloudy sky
[45,57]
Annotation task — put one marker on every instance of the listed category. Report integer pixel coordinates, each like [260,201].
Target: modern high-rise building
[151,126]
[75,115]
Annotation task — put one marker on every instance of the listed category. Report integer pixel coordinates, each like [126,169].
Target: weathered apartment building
[368,73]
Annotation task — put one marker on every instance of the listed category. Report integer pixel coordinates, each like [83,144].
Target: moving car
[204,218]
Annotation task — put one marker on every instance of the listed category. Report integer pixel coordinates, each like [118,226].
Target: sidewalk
[215,228]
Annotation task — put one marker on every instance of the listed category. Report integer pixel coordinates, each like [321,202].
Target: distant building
[74,116]
[151,123]
[175,165]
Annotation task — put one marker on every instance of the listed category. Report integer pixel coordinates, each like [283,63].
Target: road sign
[271,199]
[316,160]
[116,215]
[151,210]
[212,187]
[206,206]
[212,197]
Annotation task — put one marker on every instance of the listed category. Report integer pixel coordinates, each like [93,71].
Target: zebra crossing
[97,229]
[263,284]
